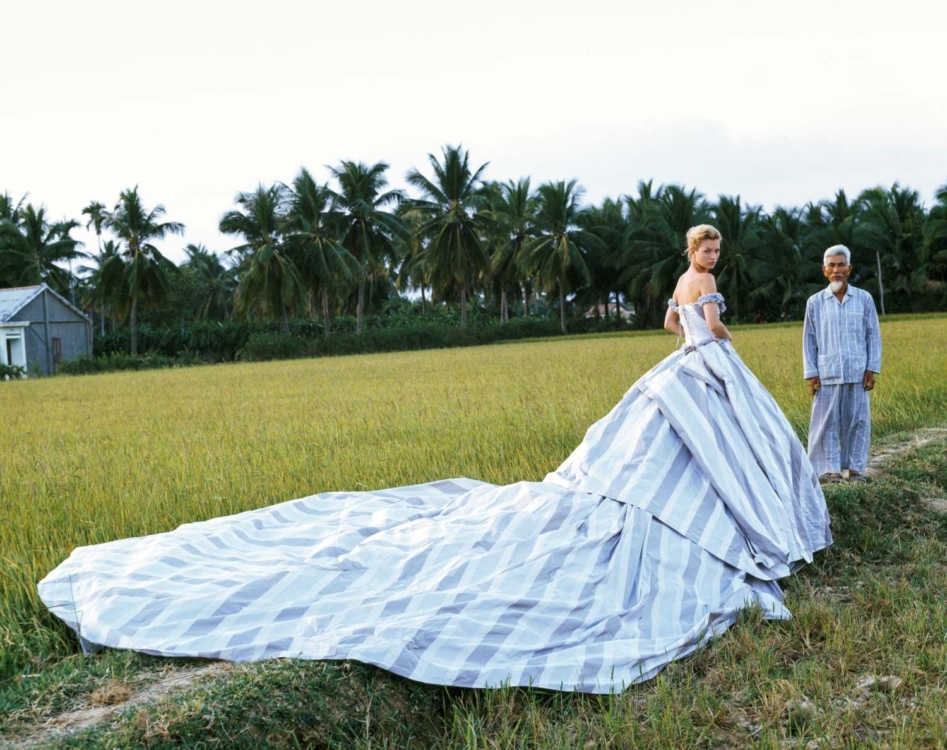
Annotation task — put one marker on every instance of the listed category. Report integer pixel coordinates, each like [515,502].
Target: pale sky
[780,103]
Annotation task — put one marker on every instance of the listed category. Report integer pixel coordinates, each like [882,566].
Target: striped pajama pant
[840,429]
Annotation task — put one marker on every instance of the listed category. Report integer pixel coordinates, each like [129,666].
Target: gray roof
[15,299]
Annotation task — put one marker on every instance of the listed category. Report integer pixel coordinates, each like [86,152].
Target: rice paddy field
[90,459]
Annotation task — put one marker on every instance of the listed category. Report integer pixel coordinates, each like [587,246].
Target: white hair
[837,250]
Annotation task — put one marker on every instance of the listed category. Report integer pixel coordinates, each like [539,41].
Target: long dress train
[679,509]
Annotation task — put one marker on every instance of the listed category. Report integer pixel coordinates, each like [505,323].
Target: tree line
[320,250]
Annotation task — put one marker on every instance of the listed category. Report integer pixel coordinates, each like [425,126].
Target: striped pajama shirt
[841,341]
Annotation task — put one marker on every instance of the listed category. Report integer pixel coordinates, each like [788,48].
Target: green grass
[926,470]
[90,459]
[871,605]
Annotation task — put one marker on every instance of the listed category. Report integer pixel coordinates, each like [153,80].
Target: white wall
[14,339]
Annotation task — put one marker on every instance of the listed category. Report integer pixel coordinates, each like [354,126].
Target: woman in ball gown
[679,509]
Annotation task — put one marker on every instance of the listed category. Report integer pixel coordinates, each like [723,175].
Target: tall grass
[90,459]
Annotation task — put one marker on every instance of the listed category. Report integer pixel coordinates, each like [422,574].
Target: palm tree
[839,212]
[452,211]
[10,218]
[146,270]
[513,212]
[368,232]
[98,217]
[784,270]
[270,282]
[840,222]
[556,254]
[739,227]
[412,273]
[312,228]
[10,210]
[892,222]
[215,280]
[835,222]
[32,248]
[104,284]
[653,253]
[607,222]
[935,236]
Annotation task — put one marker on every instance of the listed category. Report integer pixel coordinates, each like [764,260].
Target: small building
[39,329]
[600,311]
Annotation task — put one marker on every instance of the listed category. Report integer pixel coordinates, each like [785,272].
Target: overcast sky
[781,103]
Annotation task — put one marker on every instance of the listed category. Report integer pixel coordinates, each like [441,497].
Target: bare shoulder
[679,288]
[707,283]
[691,286]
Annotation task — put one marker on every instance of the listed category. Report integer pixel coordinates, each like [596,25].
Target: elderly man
[841,351]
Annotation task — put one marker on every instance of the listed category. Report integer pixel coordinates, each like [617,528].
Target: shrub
[85,365]
[11,372]
[404,329]
[261,347]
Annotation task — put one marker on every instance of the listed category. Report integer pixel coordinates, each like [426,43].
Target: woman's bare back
[692,285]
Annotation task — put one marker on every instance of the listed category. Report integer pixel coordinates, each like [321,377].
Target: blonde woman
[698,283]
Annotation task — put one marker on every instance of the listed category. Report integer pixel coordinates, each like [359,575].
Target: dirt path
[109,699]
[885,453]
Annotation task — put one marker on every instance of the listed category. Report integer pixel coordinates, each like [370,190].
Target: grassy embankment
[91,459]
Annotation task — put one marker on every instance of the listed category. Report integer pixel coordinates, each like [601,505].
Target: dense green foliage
[11,371]
[117,362]
[482,248]
[267,346]
[249,340]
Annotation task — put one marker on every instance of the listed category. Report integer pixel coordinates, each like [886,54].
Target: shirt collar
[827,293]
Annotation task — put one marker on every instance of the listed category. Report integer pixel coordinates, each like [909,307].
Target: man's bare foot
[832,478]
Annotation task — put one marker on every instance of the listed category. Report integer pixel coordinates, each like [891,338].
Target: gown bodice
[693,323]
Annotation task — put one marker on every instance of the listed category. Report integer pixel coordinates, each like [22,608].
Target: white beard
[836,286]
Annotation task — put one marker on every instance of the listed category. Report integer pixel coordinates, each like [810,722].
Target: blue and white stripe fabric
[678,511]
[841,340]
[840,429]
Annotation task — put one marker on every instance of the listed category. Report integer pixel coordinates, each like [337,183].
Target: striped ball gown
[679,509]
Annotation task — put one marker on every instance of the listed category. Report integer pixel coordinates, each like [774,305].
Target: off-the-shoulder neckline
[701,300]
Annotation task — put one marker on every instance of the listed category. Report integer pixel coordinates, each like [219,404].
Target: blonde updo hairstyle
[696,235]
